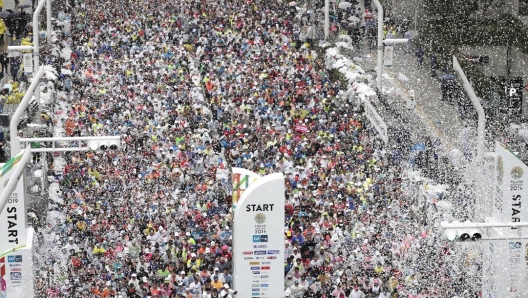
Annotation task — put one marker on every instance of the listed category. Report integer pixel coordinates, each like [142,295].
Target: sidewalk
[441,118]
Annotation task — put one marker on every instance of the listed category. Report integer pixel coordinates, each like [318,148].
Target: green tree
[450,8]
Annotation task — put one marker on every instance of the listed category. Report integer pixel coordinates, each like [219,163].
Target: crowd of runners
[197,87]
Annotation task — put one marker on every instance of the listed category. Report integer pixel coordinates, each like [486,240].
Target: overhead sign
[258,226]
[376,120]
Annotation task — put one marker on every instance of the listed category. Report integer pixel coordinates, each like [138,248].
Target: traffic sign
[513,91]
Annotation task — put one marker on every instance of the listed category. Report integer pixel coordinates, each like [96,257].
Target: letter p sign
[513,91]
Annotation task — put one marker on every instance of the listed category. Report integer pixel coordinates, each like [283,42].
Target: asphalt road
[439,118]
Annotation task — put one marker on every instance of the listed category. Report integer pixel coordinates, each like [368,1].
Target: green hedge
[477,32]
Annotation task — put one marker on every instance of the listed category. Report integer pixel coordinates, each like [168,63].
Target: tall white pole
[48,21]
[15,120]
[36,45]
[480,110]
[327,18]
[380,43]
[36,36]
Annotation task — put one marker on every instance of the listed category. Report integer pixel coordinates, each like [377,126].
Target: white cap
[226,286]
[71,238]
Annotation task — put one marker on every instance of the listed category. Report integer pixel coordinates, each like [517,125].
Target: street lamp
[327,19]
[380,43]
[35,48]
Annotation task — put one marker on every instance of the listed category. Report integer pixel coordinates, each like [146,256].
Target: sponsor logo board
[16,275]
[14,259]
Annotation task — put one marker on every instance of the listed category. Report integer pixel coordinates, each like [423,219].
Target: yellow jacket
[98,250]
[195,265]
[2,24]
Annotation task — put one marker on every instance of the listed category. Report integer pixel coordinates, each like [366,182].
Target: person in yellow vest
[98,249]
[2,25]
[148,229]
[193,262]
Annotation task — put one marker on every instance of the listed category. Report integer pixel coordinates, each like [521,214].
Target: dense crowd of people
[194,88]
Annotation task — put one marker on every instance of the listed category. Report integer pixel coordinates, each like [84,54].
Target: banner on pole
[505,262]
[13,217]
[512,176]
[389,51]
[28,63]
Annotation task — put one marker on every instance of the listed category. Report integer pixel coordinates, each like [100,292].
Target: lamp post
[476,104]
[48,21]
[36,45]
[327,18]
[380,44]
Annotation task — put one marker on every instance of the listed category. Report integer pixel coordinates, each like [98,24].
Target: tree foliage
[450,8]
